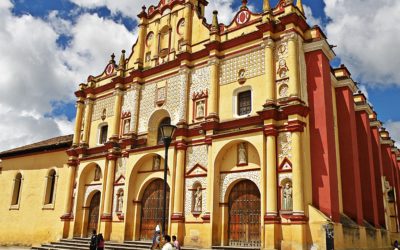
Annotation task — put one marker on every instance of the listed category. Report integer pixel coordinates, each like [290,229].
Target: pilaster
[270,71]
[293,65]
[88,120]
[214,94]
[80,106]
[177,220]
[117,112]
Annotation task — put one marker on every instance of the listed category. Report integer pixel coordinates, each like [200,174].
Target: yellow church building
[274,148]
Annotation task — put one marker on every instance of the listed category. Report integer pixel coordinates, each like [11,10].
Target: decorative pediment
[286,165]
[197,170]
[243,17]
[162,6]
[120,180]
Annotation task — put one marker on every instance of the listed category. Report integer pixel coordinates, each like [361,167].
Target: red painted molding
[272,219]
[67,217]
[106,217]
[177,217]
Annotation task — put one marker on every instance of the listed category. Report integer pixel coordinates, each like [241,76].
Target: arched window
[50,187]
[17,189]
[165,121]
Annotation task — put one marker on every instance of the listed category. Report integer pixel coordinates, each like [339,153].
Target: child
[175,242]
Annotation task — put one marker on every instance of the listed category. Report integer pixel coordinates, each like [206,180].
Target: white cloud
[225,11]
[36,72]
[311,20]
[367,34]
[127,8]
[394,129]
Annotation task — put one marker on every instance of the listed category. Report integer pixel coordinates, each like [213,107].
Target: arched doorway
[152,205]
[93,213]
[244,215]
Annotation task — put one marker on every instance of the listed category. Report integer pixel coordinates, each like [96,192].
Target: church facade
[274,148]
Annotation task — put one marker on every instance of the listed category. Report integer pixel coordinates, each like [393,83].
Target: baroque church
[274,148]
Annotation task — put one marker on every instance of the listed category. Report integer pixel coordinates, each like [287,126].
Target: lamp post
[167,131]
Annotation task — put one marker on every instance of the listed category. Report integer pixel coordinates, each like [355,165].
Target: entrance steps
[83,244]
[234,248]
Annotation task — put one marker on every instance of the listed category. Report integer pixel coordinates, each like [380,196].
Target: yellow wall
[32,223]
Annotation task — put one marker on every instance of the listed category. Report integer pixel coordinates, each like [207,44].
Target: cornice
[320,45]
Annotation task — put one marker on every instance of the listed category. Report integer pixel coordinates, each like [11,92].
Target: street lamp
[167,131]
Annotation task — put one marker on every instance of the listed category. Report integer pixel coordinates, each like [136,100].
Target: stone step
[235,248]
[78,243]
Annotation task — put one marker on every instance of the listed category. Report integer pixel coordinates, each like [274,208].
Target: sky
[48,47]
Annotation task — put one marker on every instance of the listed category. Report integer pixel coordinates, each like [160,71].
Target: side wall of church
[31,221]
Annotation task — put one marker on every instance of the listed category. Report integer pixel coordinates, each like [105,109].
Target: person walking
[100,242]
[175,242]
[156,238]
[93,241]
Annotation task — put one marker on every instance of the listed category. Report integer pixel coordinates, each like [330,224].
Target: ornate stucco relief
[146,105]
[196,155]
[129,104]
[252,62]
[175,100]
[189,194]
[200,80]
[228,179]
[281,55]
[284,146]
[101,104]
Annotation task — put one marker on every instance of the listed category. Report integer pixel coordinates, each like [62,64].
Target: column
[67,217]
[208,215]
[213,110]
[183,115]
[117,112]
[177,219]
[188,23]
[141,42]
[136,87]
[106,217]
[293,65]
[78,121]
[154,49]
[270,71]
[271,218]
[297,172]
[88,120]
[299,238]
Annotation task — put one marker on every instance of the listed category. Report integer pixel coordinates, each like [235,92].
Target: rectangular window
[244,103]
[103,134]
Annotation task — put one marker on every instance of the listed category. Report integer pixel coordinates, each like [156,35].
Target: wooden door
[245,215]
[152,206]
[93,214]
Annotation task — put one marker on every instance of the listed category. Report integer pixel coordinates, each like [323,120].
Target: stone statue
[156,164]
[127,125]
[120,202]
[197,200]
[242,154]
[200,109]
[287,193]
[97,173]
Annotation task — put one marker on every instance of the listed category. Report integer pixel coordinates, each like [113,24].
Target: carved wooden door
[245,215]
[152,205]
[93,214]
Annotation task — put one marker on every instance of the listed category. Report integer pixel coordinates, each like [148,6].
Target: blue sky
[73,37]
